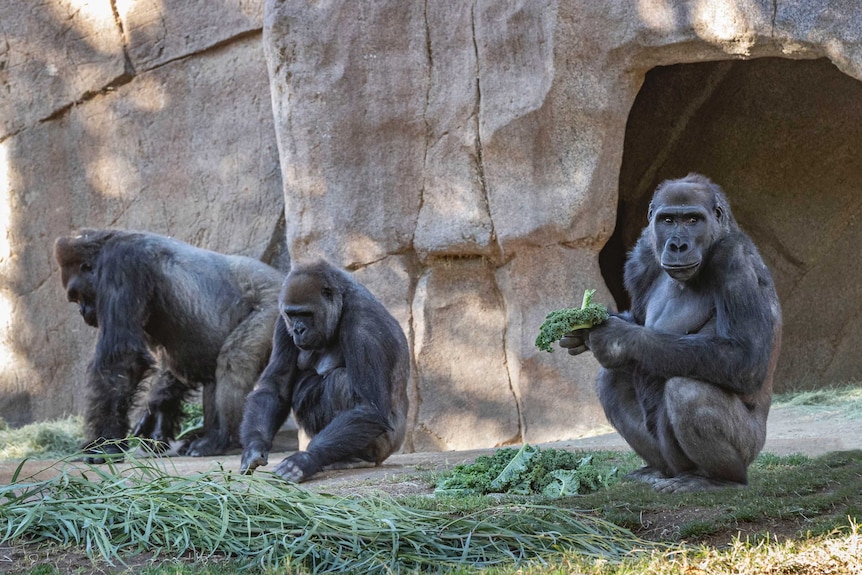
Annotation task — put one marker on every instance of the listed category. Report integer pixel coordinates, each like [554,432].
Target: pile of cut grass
[43,440]
[848,397]
[114,510]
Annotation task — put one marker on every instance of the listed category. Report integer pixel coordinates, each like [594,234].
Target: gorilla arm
[269,404]
[122,358]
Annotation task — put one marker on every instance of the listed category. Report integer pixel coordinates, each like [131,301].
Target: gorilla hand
[576,342]
[610,341]
[298,467]
[253,457]
[152,426]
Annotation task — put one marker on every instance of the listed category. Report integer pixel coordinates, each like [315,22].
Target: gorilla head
[686,218]
[78,256]
[311,309]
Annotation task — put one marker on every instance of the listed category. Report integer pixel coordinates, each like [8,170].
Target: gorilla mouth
[681,272]
[89,315]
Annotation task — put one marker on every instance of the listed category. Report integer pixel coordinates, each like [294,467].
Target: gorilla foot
[101,451]
[298,467]
[689,483]
[204,446]
[646,474]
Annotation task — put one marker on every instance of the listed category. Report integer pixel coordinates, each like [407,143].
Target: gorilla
[340,362]
[686,374]
[207,318]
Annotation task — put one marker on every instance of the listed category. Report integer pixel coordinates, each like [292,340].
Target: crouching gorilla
[208,317]
[686,374]
[341,362]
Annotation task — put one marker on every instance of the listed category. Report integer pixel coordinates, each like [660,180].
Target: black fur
[197,316]
[341,363]
[686,374]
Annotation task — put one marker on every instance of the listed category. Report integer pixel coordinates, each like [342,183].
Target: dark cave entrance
[784,139]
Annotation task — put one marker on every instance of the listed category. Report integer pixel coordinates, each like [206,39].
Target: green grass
[111,512]
[795,508]
[848,397]
[44,440]
[800,514]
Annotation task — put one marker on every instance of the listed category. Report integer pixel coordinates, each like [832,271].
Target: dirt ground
[809,430]
[812,430]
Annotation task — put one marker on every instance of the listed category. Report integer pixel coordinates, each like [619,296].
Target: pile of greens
[560,322]
[531,471]
[41,440]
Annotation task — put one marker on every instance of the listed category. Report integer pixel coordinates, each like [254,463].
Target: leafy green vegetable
[560,322]
[192,421]
[530,471]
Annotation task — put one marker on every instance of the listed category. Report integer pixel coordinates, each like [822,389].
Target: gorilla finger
[578,350]
[289,471]
[298,467]
[144,427]
[574,339]
[251,460]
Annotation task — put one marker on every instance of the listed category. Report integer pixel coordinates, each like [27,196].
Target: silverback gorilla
[208,317]
[341,362]
[686,374]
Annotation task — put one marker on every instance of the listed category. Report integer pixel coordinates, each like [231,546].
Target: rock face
[475,164]
[121,120]
[482,150]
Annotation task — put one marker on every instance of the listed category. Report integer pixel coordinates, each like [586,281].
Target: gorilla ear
[650,211]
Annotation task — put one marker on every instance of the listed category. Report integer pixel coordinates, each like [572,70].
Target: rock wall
[470,162]
[474,150]
[147,115]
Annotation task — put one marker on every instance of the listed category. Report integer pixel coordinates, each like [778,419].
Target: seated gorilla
[208,317]
[686,374]
[341,362]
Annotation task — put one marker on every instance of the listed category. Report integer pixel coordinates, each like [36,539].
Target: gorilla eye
[86,268]
[327,292]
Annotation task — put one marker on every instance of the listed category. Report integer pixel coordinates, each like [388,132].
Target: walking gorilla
[208,317]
[341,362]
[686,374]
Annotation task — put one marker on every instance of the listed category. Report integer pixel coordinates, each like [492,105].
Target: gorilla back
[206,317]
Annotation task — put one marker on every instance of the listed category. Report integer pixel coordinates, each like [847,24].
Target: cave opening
[782,137]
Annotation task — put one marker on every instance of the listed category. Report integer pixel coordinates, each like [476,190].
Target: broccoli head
[560,322]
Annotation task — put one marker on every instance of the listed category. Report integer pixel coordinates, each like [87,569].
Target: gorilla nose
[677,245]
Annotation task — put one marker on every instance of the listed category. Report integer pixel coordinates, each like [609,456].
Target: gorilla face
[684,228]
[79,282]
[311,310]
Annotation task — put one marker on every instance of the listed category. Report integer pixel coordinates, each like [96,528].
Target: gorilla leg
[715,436]
[617,395]
[241,359]
[113,389]
[164,413]
[340,428]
